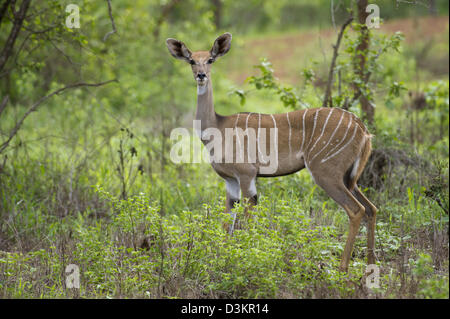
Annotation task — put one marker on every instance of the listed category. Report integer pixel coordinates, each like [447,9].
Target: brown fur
[333,144]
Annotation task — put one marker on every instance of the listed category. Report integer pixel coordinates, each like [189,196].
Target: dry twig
[112,22]
[39,102]
[327,99]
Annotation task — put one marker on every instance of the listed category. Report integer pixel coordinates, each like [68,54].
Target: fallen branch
[39,102]
[327,99]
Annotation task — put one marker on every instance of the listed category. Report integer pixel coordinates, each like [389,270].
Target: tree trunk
[3,9]
[165,11]
[361,59]
[217,8]
[433,8]
[19,17]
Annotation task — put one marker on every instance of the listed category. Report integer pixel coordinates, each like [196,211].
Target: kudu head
[200,61]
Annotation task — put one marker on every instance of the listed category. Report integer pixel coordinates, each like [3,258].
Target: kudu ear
[178,49]
[221,45]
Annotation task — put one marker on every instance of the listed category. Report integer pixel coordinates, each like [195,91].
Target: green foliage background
[88,179]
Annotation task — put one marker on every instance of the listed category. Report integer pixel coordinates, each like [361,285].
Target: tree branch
[112,22]
[19,17]
[3,9]
[39,102]
[3,103]
[165,12]
[360,63]
[327,99]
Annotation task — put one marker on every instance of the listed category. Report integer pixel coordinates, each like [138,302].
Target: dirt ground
[282,49]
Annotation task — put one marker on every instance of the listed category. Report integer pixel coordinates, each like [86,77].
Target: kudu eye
[191,62]
[210,61]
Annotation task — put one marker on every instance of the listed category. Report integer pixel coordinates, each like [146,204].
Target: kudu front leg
[233,197]
[246,184]
[249,192]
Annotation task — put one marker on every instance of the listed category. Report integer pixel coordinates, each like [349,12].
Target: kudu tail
[356,169]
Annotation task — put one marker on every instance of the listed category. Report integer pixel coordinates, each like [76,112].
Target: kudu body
[331,143]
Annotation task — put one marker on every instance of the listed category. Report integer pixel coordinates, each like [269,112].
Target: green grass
[60,204]
[289,249]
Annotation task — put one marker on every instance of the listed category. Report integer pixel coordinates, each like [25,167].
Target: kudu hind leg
[371,213]
[336,189]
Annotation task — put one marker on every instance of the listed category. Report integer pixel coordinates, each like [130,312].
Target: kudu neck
[205,106]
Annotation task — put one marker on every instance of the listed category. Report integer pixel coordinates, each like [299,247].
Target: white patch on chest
[201,89]
[233,188]
[252,188]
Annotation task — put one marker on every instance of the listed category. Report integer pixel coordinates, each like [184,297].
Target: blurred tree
[433,8]
[166,10]
[362,50]
[17,17]
[37,28]
[217,8]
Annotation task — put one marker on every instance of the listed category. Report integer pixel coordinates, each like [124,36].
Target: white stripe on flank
[323,130]
[237,119]
[331,138]
[312,176]
[290,133]
[314,127]
[261,157]
[246,121]
[274,122]
[343,139]
[238,140]
[351,139]
[303,128]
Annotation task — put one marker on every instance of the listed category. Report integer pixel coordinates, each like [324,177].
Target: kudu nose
[201,76]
